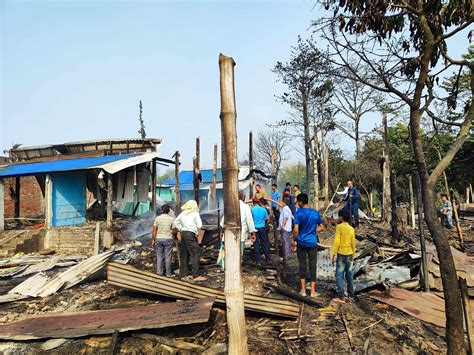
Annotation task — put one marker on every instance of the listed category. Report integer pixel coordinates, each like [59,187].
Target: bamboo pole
[412,202]
[234,290]
[196,170]
[251,192]
[214,180]
[315,169]
[467,195]
[176,185]
[48,206]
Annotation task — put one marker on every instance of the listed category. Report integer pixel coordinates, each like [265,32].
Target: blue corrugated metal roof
[59,165]
[186,177]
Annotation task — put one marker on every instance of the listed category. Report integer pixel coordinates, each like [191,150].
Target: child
[343,253]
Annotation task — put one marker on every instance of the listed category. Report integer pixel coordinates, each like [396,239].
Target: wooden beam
[196,170]
[177,202]
[2,205]
[315,168]
[153,187]
[17,196]
[108,235]
[251,167]
[213,204]
[412,202]
[234,289]
[48,199]
[386,201]
[467,315]
[424,262]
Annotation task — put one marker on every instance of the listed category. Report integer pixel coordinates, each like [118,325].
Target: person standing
[352,203]
[275,197]
[188,224]
[307,224]
[162,239]
[260,218]
[260,192]
[446,212]
[343,252]
[285,225]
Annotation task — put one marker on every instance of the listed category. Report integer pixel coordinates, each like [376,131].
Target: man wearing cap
[260,217]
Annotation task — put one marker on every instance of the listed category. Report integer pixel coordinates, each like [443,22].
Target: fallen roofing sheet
[40,285]
[131,278]
[78,324]
[426,306]
[464,267]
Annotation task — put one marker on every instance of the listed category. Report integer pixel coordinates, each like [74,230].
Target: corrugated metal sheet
[69,199]
[111,164]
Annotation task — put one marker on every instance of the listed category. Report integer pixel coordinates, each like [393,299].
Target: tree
[142,123]
[306,78]
[264,144]
[353,100]
[403,42]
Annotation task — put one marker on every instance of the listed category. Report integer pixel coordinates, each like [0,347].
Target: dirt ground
[372,327]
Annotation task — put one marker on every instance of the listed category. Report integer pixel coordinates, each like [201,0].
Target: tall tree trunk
[386,173]
[307,142]
[394,218]
[453,305]
[315,168]
[357,136]
[234,290]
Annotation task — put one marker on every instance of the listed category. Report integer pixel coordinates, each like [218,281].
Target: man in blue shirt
[261,243]
[275,197]
[352,203]
[307,223]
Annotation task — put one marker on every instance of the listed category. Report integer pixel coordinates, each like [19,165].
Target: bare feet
[199,278]
[303,293]
[315,294]
[339,300]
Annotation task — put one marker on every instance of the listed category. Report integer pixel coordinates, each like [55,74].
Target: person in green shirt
[343,252]
[260,192]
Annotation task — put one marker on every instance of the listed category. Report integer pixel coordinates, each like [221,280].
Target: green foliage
[168,174]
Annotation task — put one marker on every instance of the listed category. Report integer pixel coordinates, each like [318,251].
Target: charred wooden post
[326,174]
[108,236]
[424,262]
[176,185]
[153,187]
[17,197]
[213,204]
[467,315]
[234,290]
[394,218]
[2,206]
[315,169]
[251,192]
[412,202]
[196,170]
[386,217]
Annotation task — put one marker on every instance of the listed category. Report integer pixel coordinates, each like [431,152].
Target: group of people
[298,222]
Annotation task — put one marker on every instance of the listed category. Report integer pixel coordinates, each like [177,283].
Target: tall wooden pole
[196,170]
[2,206]
[177,202]
[234,290]
[315,169]
[251,192]
[153,187]
[386,173]
[17,195]
[421,228]
[326,175]
[412,201]
[393,199]
[274,177]
[48,202]
[213,204]
[108,236]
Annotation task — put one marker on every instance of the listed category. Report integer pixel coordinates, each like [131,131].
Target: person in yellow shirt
[343,252]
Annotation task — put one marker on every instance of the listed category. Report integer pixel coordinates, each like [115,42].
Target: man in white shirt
[188,224]
[285,225]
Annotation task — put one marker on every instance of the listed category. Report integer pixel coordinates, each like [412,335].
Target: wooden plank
[129,277]
[78,324]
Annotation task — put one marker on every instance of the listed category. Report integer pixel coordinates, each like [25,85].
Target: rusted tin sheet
[78,324]
[426,306]
[464,267]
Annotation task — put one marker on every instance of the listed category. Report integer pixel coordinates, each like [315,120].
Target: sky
[76,70]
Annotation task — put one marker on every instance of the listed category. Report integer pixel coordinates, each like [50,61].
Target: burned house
[62,190]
